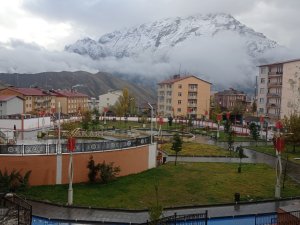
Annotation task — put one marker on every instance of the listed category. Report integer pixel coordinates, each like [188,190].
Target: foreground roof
[4,98]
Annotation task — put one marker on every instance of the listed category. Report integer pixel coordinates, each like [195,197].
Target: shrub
[108,172]
[93,170]
[14,181]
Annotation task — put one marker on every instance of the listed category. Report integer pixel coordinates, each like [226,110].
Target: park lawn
[199,149]
[269,149]
[181,185]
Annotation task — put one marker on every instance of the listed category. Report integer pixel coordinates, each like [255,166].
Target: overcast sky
[54,23]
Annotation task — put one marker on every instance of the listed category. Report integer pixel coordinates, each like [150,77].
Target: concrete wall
[43,167]
[28,123]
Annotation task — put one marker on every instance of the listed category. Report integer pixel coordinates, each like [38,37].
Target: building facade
[278,86]
[109,99]
[71,102]
[35,100]
[228,99]
[11,104]
[187,96]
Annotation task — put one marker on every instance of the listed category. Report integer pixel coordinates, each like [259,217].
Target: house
[11,104]
[183,96]
[278,86]
[109,99]
[228,99]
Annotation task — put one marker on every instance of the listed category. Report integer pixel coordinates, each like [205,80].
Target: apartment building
[278,86]
[109,99]
[186,96]
[71,101]
[228,99]
[10,104]
[35,100]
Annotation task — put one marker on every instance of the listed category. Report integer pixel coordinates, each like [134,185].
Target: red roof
[178,78]
[30,91]
[67,93]
[4,98]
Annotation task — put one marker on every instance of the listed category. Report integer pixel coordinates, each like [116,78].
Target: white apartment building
[278,89]
[109,99]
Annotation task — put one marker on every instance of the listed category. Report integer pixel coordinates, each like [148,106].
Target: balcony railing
[192,104]
[273,105]
[275,84]
[273,95]
[275,73]
[192,97]
[193,89]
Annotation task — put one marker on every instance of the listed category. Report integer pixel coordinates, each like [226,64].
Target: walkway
[124,216]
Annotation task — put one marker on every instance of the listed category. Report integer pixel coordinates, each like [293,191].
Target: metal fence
[281,218]
[18,210]
[42,149]
[190,219]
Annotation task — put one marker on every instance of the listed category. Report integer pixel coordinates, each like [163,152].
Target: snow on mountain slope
[163,35]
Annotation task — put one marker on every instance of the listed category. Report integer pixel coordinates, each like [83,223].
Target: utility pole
[151,129]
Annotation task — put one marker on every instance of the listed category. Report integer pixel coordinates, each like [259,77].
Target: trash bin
[237,197]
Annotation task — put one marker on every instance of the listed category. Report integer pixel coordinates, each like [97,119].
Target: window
[262,80]
[179,102]
[179,86]
[263,70]
[179,94]
[261,110]
[262,91]
[179,110]
[261,100]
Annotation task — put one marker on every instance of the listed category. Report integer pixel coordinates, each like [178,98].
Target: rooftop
[231,91]
[281,62]
[4,98]
[68,93]
[177,78]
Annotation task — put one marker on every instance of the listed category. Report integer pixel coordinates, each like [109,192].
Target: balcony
[192,97]
[193,89]
[275,73]
[275,84]
[192,104]
[273,105]
[273,95]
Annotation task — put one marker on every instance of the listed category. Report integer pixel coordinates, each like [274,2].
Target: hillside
[88,83]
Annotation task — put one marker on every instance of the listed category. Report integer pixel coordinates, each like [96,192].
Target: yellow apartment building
[71,101]
[183,96]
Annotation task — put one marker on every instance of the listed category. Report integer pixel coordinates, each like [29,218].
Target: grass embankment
[181,185]
[288,152]
[198,149]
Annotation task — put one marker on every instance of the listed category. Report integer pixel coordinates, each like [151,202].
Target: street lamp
[151,129]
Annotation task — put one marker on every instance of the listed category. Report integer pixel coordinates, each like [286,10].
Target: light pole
[279,148]
[151,127]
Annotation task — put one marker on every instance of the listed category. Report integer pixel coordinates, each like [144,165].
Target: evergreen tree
[177,145]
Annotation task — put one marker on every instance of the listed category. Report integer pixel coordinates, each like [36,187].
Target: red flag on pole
[71,144]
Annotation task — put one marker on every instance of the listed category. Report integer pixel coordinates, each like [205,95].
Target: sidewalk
[73,214]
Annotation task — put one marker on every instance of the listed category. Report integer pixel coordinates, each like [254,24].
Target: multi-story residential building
[278,86]
[11,104]
[35,99]
[228,99]
[187,96]
[109,99]
[71,102]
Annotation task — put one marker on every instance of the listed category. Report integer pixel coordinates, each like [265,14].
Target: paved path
[119,216]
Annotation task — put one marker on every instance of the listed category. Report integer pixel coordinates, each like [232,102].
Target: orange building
[35,99]
[187,96]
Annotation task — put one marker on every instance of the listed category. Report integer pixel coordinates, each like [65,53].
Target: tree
[108,171]
[254,107]
[254,131]
[177,145]
[86,119]
[241,155]
[229,134]
[292,125]
[125,104]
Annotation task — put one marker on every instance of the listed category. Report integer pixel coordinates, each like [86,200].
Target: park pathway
[292,169]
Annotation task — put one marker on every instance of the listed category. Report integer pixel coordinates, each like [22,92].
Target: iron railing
[190,219]
[281,218]
[18,210]
[46,149]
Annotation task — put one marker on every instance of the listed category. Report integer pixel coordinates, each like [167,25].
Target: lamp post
[279,145]
[71,148]
[151,127]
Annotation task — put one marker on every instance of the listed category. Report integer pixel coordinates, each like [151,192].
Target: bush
[14,181]
[107,172]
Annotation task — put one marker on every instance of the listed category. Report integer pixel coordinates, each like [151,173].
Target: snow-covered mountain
[163,35]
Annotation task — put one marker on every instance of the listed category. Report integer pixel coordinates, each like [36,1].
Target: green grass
[269,149]
[199,149]
[181,185]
